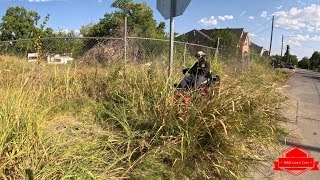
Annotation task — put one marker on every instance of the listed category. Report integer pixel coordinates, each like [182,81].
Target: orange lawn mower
[194,91]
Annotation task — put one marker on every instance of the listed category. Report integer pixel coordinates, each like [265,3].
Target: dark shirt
[201,68]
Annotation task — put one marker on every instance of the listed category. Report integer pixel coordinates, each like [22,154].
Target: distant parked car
[289,66]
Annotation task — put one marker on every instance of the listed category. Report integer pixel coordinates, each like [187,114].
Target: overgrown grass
[86,122]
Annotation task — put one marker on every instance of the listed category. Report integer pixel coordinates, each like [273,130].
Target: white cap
[200,54]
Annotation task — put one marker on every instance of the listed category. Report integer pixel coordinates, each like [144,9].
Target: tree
[140,21]
[304,63]
[286,57]
[315,60]
[85,29]
[228,42]
[289,58]
[293,59]
[161,29]
[277,58]
[18,23]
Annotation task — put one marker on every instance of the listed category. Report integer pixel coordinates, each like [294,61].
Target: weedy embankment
[81,121]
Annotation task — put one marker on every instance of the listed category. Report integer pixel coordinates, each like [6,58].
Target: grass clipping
[89,123]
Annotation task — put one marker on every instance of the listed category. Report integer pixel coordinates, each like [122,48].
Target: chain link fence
[106,49]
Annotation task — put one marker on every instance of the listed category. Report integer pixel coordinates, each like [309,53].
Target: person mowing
[198,73]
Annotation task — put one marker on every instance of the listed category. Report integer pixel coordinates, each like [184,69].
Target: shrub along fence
[106,48]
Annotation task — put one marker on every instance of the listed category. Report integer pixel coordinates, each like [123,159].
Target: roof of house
[237,31]
[197,37]
[203,36]
[256,48]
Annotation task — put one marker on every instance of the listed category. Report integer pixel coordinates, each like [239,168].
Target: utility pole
[281,52]
[282,46]
[271,35]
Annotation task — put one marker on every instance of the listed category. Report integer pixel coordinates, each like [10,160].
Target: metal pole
[184,54]
[125,46]
[173,3]
[6,48]
[217,50]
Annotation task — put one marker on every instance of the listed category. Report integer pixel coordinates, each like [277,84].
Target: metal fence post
[184,54]
[7,46]
[125,47]
[217,50]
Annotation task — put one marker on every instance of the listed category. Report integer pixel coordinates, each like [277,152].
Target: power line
[308,46]
[260,26]
[263,31]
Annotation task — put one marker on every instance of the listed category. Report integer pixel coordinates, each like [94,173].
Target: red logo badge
[296,160]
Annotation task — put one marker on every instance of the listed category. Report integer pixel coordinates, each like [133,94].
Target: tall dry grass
[87,122]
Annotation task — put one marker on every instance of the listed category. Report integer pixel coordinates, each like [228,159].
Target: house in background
[203,37]
[258,50]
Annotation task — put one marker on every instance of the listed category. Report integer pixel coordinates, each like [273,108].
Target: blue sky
[298,20]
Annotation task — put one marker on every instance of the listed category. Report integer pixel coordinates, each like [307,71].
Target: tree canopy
[315,60]
[18,23]
[228,42]
[304,63]
[289,58]
[140,21]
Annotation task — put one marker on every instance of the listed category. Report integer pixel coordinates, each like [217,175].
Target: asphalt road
[303,88]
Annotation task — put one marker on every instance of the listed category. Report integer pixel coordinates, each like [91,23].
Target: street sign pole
[173,3]
[170,9]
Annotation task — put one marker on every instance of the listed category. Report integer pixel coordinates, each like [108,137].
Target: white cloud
[300,39]
[293,42]
[39,0]
[264,14]
[226,17]
[64,31]
[305,38]
[298,18]
[280,7]
[252,35]
[251,17]
[315,38]
[243,13]
[208,21]
[301,3]
[75,32]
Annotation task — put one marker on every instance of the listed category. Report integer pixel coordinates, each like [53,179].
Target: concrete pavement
[303,89]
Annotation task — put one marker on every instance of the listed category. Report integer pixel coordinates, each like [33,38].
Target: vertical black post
[271,36]
[281,52]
